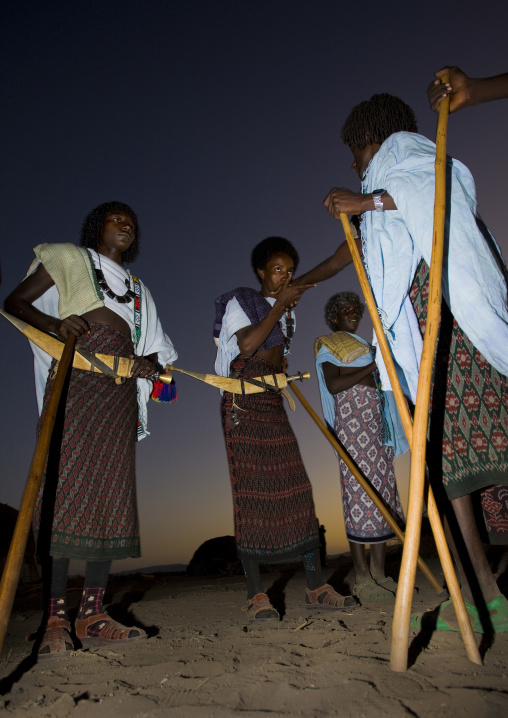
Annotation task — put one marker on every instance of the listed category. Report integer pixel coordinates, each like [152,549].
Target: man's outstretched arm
[466,91]
[330,266]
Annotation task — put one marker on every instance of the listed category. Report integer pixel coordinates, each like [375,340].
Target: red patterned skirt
[272,496]
[358,426]
[87,508]
[469,410]
[495,512]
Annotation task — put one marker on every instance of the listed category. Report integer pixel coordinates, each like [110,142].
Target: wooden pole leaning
[366,486]
[402,613]
[413,526]
[400,636]
[12,569]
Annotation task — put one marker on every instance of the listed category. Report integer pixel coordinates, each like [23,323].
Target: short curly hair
[91,231]
[272,245]
[336,302]
[374,120]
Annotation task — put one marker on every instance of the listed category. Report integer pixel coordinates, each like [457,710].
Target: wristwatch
[376,198]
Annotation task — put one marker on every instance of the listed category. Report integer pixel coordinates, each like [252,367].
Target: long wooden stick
[12,569]
[378,328]
[434,518]
[366,486]
[402,613]
[406,579]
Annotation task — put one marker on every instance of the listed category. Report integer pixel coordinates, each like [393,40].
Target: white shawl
[394,242]
[152,339]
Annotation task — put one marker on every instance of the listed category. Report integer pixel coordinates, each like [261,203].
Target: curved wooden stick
[54,347]
[10,576]
[366,486]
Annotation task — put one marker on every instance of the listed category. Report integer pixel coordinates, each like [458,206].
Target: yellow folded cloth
[342,345]
[72,271]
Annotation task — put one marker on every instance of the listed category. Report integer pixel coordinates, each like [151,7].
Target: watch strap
[376,198]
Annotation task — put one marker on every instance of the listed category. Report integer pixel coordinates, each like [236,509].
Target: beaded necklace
[290,330]
[101,281]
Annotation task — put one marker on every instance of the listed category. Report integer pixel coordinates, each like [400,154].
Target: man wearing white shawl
[396,167]
[87,506]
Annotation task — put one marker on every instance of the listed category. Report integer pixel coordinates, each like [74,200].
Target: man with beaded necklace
[87,507]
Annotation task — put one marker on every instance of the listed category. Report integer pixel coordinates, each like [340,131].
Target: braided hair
[91,231]
[374,120]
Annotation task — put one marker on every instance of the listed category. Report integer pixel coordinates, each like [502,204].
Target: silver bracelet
[378,202]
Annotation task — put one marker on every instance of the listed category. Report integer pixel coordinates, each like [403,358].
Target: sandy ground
[203,659]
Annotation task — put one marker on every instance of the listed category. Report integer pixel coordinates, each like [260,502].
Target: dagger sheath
[122,366]
[102,363]
[239,386]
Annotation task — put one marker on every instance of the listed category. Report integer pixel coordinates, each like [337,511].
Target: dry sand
[203,659]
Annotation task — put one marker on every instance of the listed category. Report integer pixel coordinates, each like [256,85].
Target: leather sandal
[107,631]
[327,597]
[56,641]
[259,604]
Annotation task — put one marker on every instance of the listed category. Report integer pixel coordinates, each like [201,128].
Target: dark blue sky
[219,123]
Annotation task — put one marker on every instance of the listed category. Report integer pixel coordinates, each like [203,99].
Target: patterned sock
[313,570]
[91,602]
[91,605]
[58,607]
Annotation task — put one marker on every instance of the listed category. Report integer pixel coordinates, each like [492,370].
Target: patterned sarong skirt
[358,426]
[86,508]
[468,430]
[272,496]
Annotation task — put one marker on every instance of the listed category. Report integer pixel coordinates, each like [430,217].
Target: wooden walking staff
[12,569]
[400,638]
[366,486]
[402,613]
[413,525]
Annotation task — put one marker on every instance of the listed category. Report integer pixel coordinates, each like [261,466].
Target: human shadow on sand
[119,610]
[421,641]
[276,592]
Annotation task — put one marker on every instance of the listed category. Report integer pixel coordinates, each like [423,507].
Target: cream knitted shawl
[72,271]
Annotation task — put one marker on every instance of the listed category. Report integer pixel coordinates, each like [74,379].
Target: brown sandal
[56,641]
[258,604]
[108,630]
[330,600]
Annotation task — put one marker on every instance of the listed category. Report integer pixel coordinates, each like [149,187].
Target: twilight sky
[218,121]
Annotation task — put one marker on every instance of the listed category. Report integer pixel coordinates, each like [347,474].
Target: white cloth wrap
[115,276]
[394,242]
[234,319]
[152,340]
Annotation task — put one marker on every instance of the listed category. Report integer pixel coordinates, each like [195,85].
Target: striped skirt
[87,508]
[272,496]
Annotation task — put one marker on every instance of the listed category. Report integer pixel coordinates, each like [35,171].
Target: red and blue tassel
[164,392]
